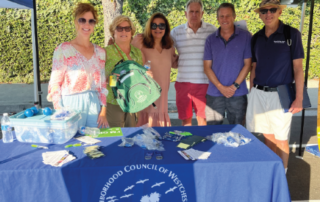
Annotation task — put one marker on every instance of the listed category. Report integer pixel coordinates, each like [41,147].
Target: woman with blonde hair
[78,76]
[157,47]
[122,31]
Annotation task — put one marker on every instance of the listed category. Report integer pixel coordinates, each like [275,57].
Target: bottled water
[93,132]
[6,129]
[147,65]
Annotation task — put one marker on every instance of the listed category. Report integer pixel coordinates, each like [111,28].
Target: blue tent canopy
[21,4]
[27,3]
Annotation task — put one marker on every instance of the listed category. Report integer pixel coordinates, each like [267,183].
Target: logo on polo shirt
[281,42]
[164,188]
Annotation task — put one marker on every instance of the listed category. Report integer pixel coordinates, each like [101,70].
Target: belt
[265,88]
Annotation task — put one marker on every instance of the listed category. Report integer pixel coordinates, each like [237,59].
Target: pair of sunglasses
[162,26]
[265,11]
[84,21]
[120,29]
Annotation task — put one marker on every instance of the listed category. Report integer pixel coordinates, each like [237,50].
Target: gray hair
[194,1]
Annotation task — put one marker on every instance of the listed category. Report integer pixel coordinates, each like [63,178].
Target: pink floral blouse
[73,73]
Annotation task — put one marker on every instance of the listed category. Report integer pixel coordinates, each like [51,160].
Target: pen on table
[63,158]
[37,146]
[187,155]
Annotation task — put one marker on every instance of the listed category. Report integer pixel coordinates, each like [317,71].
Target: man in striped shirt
[192,83]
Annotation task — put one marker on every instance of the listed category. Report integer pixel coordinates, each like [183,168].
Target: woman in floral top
[122,30]
[78,76]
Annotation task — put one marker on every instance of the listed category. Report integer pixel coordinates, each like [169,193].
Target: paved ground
[303,174]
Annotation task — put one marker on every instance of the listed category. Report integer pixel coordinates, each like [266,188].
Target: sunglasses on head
[84,21]
[162,26]
[120,29]
[265,11]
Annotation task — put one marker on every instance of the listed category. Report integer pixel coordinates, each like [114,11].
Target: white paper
[57,158]
[193,154]
[87,140]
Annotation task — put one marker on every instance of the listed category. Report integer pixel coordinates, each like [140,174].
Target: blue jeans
[217,106]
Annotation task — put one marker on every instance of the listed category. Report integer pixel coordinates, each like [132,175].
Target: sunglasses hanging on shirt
[162,26]
[84,21]
[265,11]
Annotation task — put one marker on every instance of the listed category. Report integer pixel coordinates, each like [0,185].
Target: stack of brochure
[192,154]
[57,158]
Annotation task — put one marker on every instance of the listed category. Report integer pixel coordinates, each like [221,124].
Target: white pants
[265,114]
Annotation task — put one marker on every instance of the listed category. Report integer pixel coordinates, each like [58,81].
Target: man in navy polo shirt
[227,61]
[274,64]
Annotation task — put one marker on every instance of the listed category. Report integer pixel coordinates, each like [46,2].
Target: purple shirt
[228,59]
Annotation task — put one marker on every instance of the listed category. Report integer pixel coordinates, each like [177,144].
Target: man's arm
[227,91]
[252,74]
[244,72]
[175,56]
[298,77]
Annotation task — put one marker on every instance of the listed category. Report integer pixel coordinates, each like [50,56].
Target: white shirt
[190,47]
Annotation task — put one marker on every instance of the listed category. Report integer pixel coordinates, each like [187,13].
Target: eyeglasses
[162,26]
[84,21]
[265,11]
[120,29]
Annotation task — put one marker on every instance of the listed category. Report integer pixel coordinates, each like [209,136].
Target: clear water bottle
[147,65]
[7,136]
[93,132]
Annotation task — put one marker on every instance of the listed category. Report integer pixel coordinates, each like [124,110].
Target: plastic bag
[93,152]
[229,139]
[150,131]
[172,137]
[148,141]
[126,142]
[63,114]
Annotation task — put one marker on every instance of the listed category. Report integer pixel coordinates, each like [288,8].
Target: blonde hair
[118,20]
[83,8]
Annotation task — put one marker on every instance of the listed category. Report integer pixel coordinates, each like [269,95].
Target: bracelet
[105,106]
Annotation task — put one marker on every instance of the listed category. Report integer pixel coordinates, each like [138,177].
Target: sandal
[148,155]
[158,155]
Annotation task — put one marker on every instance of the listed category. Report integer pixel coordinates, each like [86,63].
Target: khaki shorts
[117,118]
[265,114]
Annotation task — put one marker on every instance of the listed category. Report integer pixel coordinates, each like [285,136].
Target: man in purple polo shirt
[227,61]
[274,64]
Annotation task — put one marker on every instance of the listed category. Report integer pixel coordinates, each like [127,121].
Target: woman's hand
[149,72]
[102,119]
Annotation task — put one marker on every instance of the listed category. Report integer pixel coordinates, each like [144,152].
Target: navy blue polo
[272,55]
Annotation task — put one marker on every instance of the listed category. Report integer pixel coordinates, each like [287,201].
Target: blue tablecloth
[248,173]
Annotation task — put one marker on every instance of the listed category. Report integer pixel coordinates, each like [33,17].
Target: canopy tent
[29,4]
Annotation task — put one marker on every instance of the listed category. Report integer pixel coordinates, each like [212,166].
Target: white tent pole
[303,11]
[35,73]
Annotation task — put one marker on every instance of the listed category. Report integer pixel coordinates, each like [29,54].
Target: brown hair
[148,40]
[118,20]
[83,8]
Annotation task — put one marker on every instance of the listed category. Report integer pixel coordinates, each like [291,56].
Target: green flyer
[110,132]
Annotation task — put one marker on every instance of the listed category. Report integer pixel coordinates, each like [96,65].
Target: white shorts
[265,114]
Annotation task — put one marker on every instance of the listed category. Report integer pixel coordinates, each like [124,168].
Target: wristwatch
[236,85]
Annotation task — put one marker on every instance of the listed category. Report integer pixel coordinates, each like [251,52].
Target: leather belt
[265,88]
